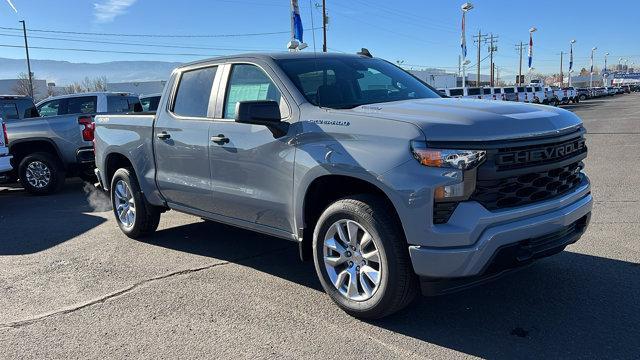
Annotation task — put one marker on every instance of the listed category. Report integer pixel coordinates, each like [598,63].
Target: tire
[582,97]
[125,192]
[397,283]
[41,173]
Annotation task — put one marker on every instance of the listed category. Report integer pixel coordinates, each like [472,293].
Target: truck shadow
[30,224]
[570,305]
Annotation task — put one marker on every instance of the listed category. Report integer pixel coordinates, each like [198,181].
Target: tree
[98,83]
[22,86]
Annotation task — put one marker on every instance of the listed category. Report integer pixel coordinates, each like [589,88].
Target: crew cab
[58,144]
[386,185]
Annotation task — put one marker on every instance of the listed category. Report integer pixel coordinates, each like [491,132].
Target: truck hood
[450,119]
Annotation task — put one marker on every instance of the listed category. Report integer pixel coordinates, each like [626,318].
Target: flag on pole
[296,21]
[571,59]
[530,49]
[463,38]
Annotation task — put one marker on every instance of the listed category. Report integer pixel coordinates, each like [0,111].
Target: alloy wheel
[125,205]
[38,174]
[352,260]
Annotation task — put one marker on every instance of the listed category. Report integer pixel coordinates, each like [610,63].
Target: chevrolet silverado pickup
[389,187]
[54,140]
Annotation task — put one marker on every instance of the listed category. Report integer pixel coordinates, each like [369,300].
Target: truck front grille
[528,188]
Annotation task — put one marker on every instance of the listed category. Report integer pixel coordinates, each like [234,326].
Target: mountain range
[64,72]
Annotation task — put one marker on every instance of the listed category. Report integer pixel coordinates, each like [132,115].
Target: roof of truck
[95,93]
[14,97]
[279,56]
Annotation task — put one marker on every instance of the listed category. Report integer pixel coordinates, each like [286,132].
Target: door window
[246,83]
[194,91]
[51,108]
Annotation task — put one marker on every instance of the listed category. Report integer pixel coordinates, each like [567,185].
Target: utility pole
[324,25]
[519,47]
[26,47]
[492,40]
[561,75]
[479,39]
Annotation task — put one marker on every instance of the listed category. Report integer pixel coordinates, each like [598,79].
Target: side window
[246,83]
[82,105]
[121,104]
[194,91]
[51,108]
[9,111]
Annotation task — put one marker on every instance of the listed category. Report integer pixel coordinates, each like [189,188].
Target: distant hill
[64,72]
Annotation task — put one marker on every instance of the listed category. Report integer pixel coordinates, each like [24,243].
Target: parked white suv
[89,103]
[5,158]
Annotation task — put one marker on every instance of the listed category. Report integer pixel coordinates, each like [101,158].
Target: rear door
[252,170]
[181,139]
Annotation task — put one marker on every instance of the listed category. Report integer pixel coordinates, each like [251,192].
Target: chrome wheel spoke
[372,256]
[371,273]
[343,236]
[352,229]
[352,287]
[340,279]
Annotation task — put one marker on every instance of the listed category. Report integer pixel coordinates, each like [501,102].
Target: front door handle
[220,139]
[163,135]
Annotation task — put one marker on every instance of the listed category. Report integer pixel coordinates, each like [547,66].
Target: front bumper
[474,260]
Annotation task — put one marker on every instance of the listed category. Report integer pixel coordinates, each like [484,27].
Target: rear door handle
[220,139]
[163,135]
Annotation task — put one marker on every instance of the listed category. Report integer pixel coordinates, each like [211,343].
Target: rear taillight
[88,127]
[4,133]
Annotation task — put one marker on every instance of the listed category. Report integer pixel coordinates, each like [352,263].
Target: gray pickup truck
[54,140]
[389,187]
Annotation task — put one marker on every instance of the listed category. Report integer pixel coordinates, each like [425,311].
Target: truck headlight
[447,158]
[466,161]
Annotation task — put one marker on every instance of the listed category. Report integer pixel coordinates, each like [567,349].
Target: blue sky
[419,32]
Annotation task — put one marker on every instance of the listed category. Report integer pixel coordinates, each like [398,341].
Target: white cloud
[107,10]
[12,6]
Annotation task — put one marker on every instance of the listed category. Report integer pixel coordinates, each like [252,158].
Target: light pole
[593,50]
[571,59]
[464,73]
[605,76]
[466,7]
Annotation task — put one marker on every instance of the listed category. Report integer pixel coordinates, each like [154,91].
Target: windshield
[344,83]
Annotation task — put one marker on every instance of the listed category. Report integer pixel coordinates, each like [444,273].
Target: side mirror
[262,112]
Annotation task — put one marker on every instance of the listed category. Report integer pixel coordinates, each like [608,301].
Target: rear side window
[121,104]
[82,105]
[538,88]
[508,90]
[9,111]
[51,108]
[456,92]
[529,89]
[486,91]
[150,103]
[474,91]
[520,88]
[497,91]
[194,91]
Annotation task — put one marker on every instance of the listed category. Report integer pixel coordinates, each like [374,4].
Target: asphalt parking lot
[73,286]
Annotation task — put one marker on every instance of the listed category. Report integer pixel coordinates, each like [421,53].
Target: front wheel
[362,259]
[136,218]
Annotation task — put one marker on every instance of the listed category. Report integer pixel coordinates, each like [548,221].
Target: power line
[134,44]
[109,51]
[153,35]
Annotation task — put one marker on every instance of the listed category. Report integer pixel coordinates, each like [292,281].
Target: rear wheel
[41,173]
[361,259]
[136,218]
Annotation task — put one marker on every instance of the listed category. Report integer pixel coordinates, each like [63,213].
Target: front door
[252,171]
[181,138]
